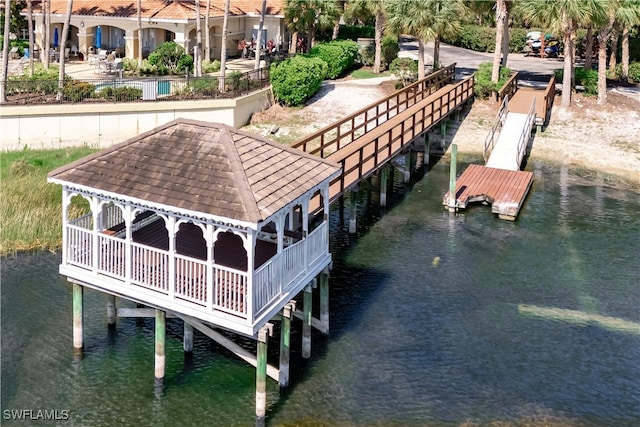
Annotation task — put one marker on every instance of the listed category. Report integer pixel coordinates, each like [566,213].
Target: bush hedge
[586,78]
[483,39]
[390,49]
[484,87]
[297,79]
[340,55]
[405,69]
[169,58]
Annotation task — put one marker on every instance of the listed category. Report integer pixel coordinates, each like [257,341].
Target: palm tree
[628,17]
[259,40]
[310,15]
[63,43]
[342,5]
[501,26]
[139,33]
[563,16]
[207,35]
[31,42]
[426,20]
[5,50]
[223,48]
[376,8]
[46,18]
[198,49]
[618,13]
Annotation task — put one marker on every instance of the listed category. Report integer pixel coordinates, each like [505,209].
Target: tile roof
[160,9]
[204,167]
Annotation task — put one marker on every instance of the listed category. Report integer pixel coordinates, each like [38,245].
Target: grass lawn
[31,208]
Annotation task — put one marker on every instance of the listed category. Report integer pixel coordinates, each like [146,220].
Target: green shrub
[121,93]
[583,77]
[297,79]
[204,86]
[169,58]
[147,68]
[353,32]
[235,81]
[634,72]
[390,49]
[484,87]
[76,91]
[405,69]
[211,66]
[340,55]
[130,64]
[44,81]
[184,63]
[474,37]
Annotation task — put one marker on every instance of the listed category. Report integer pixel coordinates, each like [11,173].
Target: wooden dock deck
[505,190]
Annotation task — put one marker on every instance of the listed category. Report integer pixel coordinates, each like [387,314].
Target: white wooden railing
[79,246]
[230,290]
[147,267]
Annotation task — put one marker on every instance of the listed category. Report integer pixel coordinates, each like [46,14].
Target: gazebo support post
[78,342]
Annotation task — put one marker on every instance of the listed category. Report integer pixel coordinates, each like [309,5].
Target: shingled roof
[203,167]
[159,9]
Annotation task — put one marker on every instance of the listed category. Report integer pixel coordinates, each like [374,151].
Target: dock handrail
[526,131]
[509,87]
[549,96]
[490,140]
[343,132]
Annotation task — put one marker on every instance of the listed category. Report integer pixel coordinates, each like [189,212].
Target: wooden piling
[78,342]
[111,310]
[160,359]
[324,302]
[452,178]
[353,212]
[407,167]
[383,186]
[306,322]
[261,375]
[427,151]
[187,341]
[285,346]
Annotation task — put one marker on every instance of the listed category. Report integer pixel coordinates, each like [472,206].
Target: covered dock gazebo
[199,220]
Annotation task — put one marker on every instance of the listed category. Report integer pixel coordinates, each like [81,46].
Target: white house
[113,25]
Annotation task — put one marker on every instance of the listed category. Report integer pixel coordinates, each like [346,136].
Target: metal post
[285,346]
[77,318]
[452,178]
[306,323]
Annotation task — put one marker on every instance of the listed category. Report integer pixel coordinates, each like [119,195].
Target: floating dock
[504,189]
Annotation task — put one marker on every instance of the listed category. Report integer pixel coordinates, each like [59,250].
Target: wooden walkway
[371,137]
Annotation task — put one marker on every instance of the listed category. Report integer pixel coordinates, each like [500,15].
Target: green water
[436,320]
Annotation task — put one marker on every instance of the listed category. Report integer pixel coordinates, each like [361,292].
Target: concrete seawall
[102,125]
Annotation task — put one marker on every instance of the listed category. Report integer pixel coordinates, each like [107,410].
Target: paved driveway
[467,61]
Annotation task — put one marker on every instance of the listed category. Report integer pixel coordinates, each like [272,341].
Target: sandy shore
[604,139]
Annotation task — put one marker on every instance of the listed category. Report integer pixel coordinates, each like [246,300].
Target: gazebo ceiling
[204,167]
